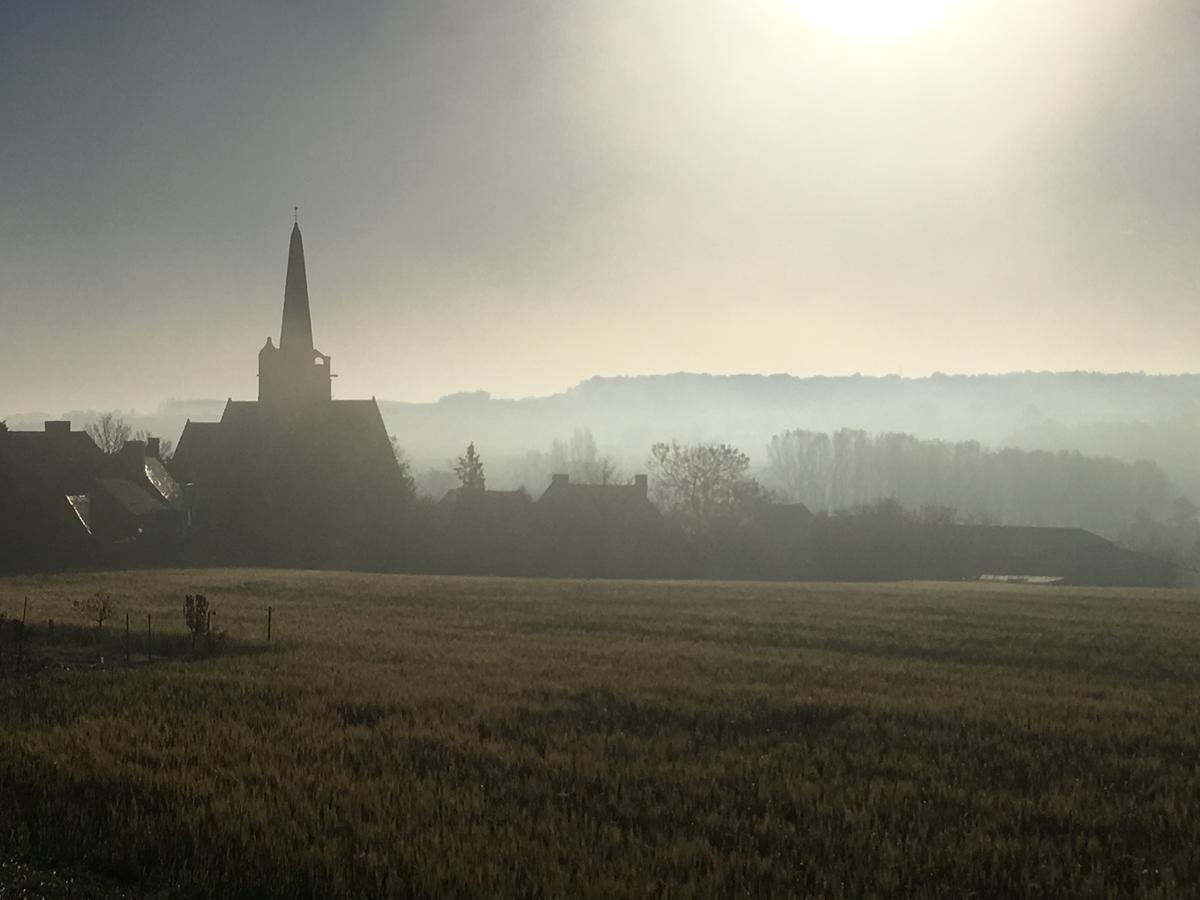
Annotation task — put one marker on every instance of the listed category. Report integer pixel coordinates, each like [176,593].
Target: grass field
[455,737]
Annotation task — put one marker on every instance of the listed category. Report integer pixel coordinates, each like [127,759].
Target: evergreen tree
[470,470]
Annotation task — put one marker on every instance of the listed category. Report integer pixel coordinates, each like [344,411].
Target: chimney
[61,426]
[152,447]
[642,484]
[560,478]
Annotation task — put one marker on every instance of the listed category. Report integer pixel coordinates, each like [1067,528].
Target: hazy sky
[518,195]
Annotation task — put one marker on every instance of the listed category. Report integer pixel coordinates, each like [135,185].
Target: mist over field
[1129,416]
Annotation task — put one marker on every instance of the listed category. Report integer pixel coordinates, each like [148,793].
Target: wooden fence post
[268,624]
[127,639]
[21,636]
[147,637]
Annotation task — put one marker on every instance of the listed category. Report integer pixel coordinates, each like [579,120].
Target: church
[294,477]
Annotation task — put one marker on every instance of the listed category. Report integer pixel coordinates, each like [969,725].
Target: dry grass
[431,737]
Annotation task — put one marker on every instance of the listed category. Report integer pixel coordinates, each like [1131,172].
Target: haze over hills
[1129,416]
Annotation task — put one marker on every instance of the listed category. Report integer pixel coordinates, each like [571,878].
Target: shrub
[96,608]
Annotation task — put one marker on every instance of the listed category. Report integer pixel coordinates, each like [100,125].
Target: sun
[875,20]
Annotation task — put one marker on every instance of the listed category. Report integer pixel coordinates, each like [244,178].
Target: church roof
[335,446]
[196,444]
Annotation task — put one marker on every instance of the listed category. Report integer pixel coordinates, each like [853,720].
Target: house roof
[52,476]
[607,500]
[489,501]
[62,462]
[782,515]
[1030,539]
[130,497]
[160,479]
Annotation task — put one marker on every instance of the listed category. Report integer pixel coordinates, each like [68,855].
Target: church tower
[294,374]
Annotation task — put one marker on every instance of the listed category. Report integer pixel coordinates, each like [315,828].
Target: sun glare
[874,20]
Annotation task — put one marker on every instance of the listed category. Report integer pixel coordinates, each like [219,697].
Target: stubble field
[456,737]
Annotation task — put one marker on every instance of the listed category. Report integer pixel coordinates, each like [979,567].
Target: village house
[599,530]
[64,502]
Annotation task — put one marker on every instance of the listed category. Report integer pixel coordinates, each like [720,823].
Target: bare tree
[166,447]
[703,482]
[109,432]
[580,459]
[470,470]
[605,471]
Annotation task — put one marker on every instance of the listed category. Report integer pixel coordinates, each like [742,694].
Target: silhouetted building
[141,462]
[480,532]
[64,502]
[295,476]
[481,502]
[609,502]
[1068,555]
[599,529]
[776,541]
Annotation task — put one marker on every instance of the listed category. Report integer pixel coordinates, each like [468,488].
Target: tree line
[884,504]
[851,468]
[847,469]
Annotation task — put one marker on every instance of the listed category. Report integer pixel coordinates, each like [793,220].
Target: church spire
[296,334]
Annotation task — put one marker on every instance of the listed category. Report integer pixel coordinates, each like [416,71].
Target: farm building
[1064,555]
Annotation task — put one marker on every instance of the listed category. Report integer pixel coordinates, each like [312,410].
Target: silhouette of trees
[470,470]
[850,468]
[579,459]
[434,483]
[166,447]
[702,484]
[406,475]
[109,432]
[1177,539]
